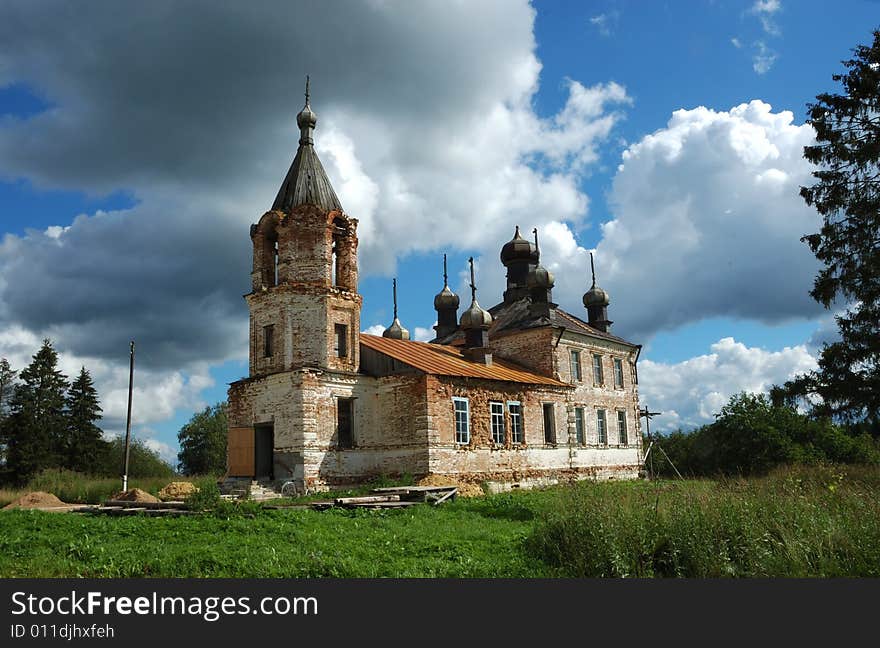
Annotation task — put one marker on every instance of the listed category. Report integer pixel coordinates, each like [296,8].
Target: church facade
[520,394]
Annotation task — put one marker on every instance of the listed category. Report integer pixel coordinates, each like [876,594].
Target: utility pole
[652,442]
[128,419]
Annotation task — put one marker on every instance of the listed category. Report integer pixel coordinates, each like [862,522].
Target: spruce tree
[37,424]
[7,387]
[84,443]
[847,195]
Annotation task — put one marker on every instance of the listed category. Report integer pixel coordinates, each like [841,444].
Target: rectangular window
[516,426]
[268,340]
[549,424]
[344,423]
[618,372]
[621,428]
[598,379]
[496,411]
[601,427]
[462,420]
[576,366]
[340,345]
[579,424]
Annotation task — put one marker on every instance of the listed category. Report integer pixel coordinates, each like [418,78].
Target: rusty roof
[444,360]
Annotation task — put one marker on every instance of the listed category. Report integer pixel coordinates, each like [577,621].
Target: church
[517,395]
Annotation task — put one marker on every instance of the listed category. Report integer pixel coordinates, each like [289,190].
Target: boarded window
[575,360]
[516,426]
[496,411]
[462,420]
[621,428]
[340,344]
[598,378]
[601,427]
[549,424]
[618,372]
[268,341]
[579,424]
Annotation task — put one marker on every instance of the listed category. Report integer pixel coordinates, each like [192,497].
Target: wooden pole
[128,419]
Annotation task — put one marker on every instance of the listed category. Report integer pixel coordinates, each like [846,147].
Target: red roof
[443,360]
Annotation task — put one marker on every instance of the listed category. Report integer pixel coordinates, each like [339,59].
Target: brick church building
[523,393]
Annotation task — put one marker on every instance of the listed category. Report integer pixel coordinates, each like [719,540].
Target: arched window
[339,254]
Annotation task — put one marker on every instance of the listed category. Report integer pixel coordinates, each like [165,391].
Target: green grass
[823,522]
[77,488]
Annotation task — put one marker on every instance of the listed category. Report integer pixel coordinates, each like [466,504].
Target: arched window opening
[338,263]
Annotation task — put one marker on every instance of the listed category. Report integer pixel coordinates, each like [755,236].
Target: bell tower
[304,304]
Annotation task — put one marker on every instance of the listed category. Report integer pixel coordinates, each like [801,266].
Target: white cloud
[375,329]
[606,22]
[692,392]
[763,58]
[707,222]
[736,43]
[765,9]
[165,451]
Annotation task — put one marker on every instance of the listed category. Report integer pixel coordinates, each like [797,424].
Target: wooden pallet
[392,497]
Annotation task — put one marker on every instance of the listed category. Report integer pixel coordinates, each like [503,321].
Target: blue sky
[136,147]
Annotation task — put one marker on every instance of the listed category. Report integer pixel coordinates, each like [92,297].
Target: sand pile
[135,495]
[37,499]
[465,489]
[178,491]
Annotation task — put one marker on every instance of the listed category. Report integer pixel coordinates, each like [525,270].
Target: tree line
[48,421]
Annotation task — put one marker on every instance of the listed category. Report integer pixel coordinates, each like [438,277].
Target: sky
[139,141]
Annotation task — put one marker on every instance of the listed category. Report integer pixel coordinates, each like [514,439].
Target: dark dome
[540,277]
[446,300]
[595,296]
[475,317]
[518,249]
[306,118]
[396,331]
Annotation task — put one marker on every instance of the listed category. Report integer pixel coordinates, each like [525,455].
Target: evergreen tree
[847,195]
[7,387]
[84,443]
[203,442]
[37,424]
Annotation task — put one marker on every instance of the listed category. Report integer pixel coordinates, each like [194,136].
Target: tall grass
[75,488]
[795,522]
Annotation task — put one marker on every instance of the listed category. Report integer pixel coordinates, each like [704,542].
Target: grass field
[798,522]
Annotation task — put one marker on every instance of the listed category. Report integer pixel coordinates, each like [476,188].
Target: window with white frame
[618,372]
[496,412]
[579,427]
[621,428]
[575,360]
[598,378]
[601,427]
[462,420]
[516,425]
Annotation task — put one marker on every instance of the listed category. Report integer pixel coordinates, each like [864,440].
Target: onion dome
[446,299]
[396,330]
[595,296]
[518,249]
[475,317]
[540,278]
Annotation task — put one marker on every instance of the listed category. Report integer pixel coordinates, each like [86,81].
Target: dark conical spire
[306,182]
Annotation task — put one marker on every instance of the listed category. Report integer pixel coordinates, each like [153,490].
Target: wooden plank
[367,499]
[379,505]
[151,505]
[240,444]
[412,489]
[446,497]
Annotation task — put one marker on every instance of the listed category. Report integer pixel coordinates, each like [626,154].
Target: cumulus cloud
[707,222]
[692,392]
[763,58]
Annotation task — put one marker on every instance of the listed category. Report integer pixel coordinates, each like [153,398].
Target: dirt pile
[37,499]
[178,491]
[465,489]
[135,495]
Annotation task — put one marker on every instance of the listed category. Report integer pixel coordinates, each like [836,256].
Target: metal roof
[306,183]
[450,361]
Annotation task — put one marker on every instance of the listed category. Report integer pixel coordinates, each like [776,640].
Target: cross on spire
[473,283]
[445,276]
[307,90]
[394,288]
[593,269]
